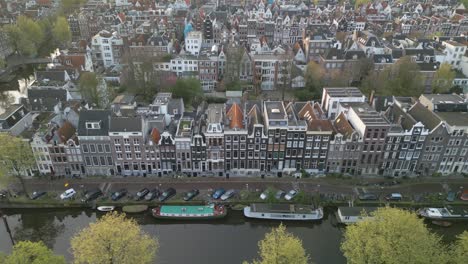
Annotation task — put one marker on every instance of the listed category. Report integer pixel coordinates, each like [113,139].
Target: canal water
[230,240]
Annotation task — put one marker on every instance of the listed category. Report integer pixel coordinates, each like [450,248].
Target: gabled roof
[66,131]
[424,115]
[235,116]
[100,116]
[342,125]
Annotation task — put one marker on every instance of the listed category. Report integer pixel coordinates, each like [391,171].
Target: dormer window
[93,125]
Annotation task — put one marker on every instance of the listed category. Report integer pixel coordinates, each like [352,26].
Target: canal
[230,240]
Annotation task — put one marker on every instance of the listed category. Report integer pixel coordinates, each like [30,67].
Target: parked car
[152,194]
[91,195]
[368,197]
[394,197]
[218,193]
[68,194]
[3,194]
[168,193]
[464,195]
[264,194]
[37,194]
[230,193]
[451,196]
[290,195]
[141,194]
[190,195]
[118,194]
[280,194]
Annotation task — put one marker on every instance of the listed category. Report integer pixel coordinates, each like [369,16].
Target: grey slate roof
[101,116]
[125,124]
[424,115]
[45,99]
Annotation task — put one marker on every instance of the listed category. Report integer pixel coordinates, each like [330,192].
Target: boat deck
[188,210]
[282,208]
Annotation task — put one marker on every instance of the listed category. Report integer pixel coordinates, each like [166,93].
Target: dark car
[280,194]
[190,195]
[141,194]
[368,197]
[152,194]
[91,195]
[168,193]
[118,194]
[218,193]
[37,194]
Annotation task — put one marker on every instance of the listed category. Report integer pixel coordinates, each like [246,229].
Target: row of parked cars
[280,194]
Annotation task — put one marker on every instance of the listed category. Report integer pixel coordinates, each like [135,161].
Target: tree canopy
[403,78]
[16,158]
[460,249]
[113,239]
[61,31]
[189,90]
[281,247]
[314,78]
[89,87]
[393,236]
[443,79]
[26,252]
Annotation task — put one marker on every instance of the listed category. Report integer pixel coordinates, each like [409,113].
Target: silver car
[228,194]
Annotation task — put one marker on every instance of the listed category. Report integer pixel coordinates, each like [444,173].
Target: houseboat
[283,212]
[444,213]
[190,212]
[351,215]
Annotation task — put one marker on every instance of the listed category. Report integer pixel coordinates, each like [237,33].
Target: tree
[189,90]
[15,157]
[19,41]
[460,249]
[89,87]
[113,239]
[314,77]
[61,31]
[32,30]
[281,247]
[393,236]
[443,79]
[358,3]
[403,78]
[27,252]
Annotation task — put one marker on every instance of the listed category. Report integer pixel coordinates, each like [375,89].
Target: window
[88,161]
[100,148]
[95,161]
[103,161]
[107,147]
[92,147]
[85,148]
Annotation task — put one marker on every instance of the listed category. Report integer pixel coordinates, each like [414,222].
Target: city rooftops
[459,119]
[443,98]
[185,127]
[343,92]
[214,113]
[367,114]
[275,110]
[125,124]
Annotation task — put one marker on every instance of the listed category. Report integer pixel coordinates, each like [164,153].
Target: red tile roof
[236,117]
[155,135]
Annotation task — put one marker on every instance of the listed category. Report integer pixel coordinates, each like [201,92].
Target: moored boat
[283,212]
[190,212]
[134,208]
[351,215]
[106,208]
[444,213]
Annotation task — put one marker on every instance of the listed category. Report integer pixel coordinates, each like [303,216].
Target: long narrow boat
[190,212]
[444,213]
[135,208]
[283,212]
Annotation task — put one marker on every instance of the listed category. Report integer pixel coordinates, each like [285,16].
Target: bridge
[15,62]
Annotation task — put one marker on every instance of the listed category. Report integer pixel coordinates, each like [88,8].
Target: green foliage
[281,247]
[69,6]
[189,90]
[19,41]
[16,157]
[401,79]
[443,79]
[89,87]
[113,239]
[61,31]
[358,3]
[26,252]
[215,100]
[233,86]
[460,249]
[393,236]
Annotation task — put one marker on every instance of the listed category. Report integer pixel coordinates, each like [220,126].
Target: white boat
[444,213]
[351,215]
[283,212]
[106,208]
